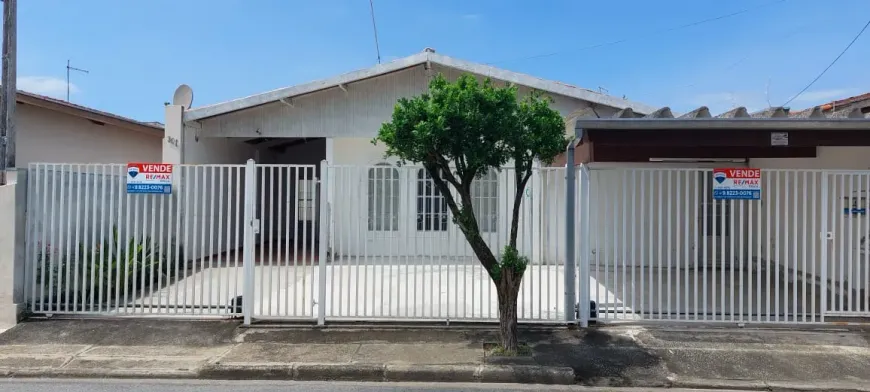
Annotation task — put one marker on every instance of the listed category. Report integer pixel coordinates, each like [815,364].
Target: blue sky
[138,51]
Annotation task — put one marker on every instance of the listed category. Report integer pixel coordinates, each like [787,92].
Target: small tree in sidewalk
[461,130]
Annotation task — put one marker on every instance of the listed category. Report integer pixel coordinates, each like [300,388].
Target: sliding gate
[661,248]
[92,248]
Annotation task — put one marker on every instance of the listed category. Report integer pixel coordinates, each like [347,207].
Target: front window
[484,196]
[431,206]
[383,198]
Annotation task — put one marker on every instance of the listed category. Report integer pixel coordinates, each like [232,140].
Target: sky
[138,51]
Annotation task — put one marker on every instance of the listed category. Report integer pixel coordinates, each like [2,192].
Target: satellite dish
[183,96]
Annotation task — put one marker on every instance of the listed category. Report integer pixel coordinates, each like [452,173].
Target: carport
[658,246]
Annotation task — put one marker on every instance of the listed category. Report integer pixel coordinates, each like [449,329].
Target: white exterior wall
[214,151]
[47,136]
[359,112]
[353,117]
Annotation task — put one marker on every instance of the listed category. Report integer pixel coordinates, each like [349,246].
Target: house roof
[427,56]
[776,118]
[88,113]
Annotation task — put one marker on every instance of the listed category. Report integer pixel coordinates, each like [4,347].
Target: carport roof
[427,56]
[776,118]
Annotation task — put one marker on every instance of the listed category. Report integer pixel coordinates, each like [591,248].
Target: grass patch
[496,350]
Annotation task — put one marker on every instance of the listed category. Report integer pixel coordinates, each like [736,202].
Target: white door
[434,234]
[384,203]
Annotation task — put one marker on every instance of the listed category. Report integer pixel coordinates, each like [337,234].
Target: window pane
[485,202]
[431,205]
[383,199]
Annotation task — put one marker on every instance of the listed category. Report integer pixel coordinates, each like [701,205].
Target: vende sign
[149,178]
[737,184]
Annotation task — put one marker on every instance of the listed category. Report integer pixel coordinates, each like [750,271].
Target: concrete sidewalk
[761,359]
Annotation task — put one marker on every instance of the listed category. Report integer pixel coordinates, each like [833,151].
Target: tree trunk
[508,289]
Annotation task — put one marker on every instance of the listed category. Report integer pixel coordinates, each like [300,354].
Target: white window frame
[380,198]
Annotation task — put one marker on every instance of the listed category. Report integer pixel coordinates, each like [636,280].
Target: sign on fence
[149,178]
[737,184]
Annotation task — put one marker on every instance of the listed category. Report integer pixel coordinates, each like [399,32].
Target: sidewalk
[759,359]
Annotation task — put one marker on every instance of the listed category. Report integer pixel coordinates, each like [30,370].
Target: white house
[334,230]
[394,210]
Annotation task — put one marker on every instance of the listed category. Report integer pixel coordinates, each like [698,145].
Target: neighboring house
[852,107]
[56,131]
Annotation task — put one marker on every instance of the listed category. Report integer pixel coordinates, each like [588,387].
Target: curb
[395,373]
[98,373]
[756,385]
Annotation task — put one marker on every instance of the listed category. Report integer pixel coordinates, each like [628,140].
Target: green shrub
[89,268]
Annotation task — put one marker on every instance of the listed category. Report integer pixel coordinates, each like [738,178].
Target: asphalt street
[26,385]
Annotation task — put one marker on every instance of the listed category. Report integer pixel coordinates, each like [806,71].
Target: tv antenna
[71,68]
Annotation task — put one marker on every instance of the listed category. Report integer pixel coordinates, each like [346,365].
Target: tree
[461,130]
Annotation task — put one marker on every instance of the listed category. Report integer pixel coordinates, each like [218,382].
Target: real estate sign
[149,178]
[737,184]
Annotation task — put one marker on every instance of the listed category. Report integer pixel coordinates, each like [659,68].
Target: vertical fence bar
[698,215]
[851,295]
[570,219]
[321,260]
[248,247]
[841,234]
[814,237]
[37,248]
[670,233]
[824,246]
[677,311]
[866,244]
[705,238]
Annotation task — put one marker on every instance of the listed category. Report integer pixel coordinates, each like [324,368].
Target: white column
[173,136]
[11,264]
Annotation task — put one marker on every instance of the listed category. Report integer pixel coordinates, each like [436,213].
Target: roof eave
[286,92]
[407,62]
[87,113]
[773,124]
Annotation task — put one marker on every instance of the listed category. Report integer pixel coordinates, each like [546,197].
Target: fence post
[585,191]
[824,236]
[248,247]
[570,217]
[323,242]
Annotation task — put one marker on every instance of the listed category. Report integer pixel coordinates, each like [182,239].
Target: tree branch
[467,223]
[522,179]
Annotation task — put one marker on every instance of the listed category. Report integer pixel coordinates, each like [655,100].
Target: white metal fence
[395,253]
[307,242]
[94,249]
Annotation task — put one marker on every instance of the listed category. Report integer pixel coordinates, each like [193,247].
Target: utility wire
[829,65]
[375,28]
[644,35]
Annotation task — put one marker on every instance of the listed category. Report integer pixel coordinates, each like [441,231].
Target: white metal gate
[285,258]
[395,254]
[848,271]
[660,248]
[94,249]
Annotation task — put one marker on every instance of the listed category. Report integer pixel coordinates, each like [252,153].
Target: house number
[171,140]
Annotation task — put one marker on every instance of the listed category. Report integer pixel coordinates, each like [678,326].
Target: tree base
[497,350]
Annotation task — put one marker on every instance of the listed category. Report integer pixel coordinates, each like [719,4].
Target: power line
[644,35]
[375,28]
[829,65]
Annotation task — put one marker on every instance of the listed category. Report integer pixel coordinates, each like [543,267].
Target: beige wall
[8,307]
[48,136]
